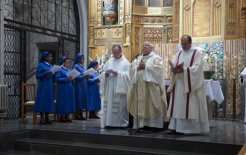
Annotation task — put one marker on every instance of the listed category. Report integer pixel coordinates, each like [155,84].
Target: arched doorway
[32,26]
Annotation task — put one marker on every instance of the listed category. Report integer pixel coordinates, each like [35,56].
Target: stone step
[138,141]
[55,147]
[15,152]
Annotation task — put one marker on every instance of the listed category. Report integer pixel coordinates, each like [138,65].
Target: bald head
[186,42]
[116,51]
[147,48]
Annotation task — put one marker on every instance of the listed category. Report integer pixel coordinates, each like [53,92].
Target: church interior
[93,27]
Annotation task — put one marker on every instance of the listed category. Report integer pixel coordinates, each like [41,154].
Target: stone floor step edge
[102,146]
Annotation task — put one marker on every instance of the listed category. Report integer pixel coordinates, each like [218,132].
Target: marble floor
[227,132]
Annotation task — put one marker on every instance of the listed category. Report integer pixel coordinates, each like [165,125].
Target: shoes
[92,115]
[62,121]
[68,120]
[78,118]
[96,117]
[48,122]
[42,122]
[173,132]
[83,119]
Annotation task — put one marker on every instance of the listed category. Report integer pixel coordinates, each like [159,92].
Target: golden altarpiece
[218,26]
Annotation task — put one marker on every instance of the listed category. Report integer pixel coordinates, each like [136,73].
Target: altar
[212,90]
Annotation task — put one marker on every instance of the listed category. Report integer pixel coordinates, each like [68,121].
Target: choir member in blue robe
[65,101]
[94,100]
[80,87]
[44,102]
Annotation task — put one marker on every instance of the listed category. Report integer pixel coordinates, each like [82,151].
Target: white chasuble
[113,90]
[147,95]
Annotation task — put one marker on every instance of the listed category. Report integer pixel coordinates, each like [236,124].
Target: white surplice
[113,90]
[243,83]
[147,95]
[188,108]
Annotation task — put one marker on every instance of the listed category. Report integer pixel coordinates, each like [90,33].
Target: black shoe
[78,118]
[96,117]
[62,120]
[68,120]
[42,122]
[48,122]
[91,115]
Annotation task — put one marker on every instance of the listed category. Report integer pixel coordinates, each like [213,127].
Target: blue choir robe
[80,88]
[94,100]
[65,101]
[44,101]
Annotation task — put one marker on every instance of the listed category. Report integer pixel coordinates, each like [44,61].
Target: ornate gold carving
[91,36]
[127,34]
[140,10]
[176,21]
[136,43]
[231,28]
[127,18]
[234,63]
[167,11]
[152,34]
[157,20]
[187,7]
[99,13]
[136,19]
[99,42]
[232,4]
[168,51]
[201,21]
[244,14]
[121,12]
[217,3]
[232,20]
[92,21]
[169,35]
[117,33]
[101,33]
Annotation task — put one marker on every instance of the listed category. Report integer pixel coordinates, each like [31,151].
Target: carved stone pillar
[1,43]
[83,28]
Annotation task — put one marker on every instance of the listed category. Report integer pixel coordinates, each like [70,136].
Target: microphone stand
[137,130]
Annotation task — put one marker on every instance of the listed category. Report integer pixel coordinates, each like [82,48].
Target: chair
[28,92]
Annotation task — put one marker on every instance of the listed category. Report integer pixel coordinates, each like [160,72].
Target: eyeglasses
[146,45]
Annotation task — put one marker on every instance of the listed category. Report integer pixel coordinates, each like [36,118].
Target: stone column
[1,42]
[83,28]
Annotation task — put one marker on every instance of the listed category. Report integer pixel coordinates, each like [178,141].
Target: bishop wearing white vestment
[243,83]
[114,85]
[188,108]
[147,95]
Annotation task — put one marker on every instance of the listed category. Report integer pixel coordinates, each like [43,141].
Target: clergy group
[127,94]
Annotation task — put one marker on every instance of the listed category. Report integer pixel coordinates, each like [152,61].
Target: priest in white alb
[147,95]
[187,108]
[114,85]
[243,83]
